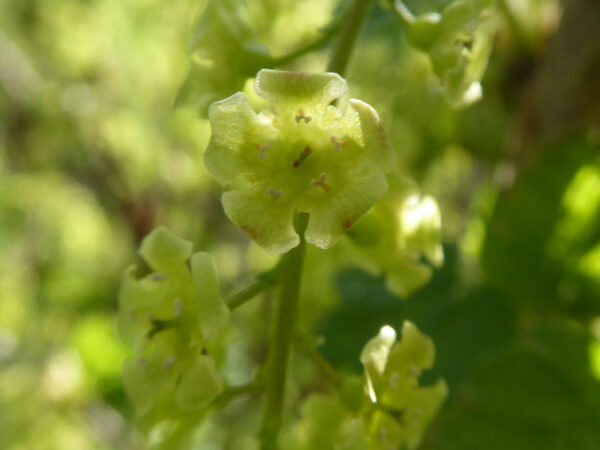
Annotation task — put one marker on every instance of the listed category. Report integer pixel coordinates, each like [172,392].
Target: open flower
[392,371]
[171,315]
[400,237]
[302,154]
[459,42]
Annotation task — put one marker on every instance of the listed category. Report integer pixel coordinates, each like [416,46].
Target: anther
[132,313]
[168,363]
[158,276]
[301,116]
[275,194]
[178,307]
[338,144]
[305,154]
[262,149]
[321,182]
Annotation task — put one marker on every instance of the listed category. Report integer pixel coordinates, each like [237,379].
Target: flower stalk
[284,321]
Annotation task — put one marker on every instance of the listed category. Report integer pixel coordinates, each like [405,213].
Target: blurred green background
[93,155]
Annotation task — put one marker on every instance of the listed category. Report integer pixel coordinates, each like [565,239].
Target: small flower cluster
[459,42]
[395,411]
[395,235]
[171,315]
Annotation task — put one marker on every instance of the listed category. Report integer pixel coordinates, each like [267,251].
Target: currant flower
[396,410]
[401,237]
[392,371]
[459,42]
[301,154]
[171,316]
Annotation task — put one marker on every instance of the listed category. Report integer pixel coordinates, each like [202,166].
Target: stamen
[132,313]
[178,307]
[321,182]
[305,154]
[338,144]
[158,276]
[168,363]
[262,149]
[301,116]
[275,194]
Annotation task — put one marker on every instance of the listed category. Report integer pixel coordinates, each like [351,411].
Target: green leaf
[526,253]
[537,393]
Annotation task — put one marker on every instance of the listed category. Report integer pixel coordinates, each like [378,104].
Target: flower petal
[288,89]
[163,251]
[231,121]
[378,151]
[213,314]
[329,220]
[199,384]
[266,219]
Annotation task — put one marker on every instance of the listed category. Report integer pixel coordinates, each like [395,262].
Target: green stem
[351,26]
[282,332]
[247,294]
[301,342]
[318,43]
[233,392]
[403,12]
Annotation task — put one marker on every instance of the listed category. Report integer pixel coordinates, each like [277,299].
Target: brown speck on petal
[250,231]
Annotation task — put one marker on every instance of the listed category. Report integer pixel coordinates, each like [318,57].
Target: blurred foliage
[93,155]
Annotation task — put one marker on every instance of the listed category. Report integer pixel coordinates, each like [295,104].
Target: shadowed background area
[94,154]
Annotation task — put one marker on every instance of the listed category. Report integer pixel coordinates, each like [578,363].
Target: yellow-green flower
[171,315]
[401,237]
[392,371]
[301,154]
[459,42]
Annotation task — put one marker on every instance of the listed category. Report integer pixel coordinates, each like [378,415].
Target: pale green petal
[386,431]
[162,250]
[146,377]
[415,350]
[405,276]
[231,121]
[213,314]
[284,89]
[132,319]
[323,416]
[139,387]
[398,389]
[329,220]
[365,127]
[199,384]
[420,226]
[375,353]
[374,357]
[419,407]
[265,219]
